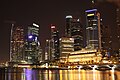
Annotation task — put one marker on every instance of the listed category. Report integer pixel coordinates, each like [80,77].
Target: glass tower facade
[33,52]
[55,42]
[74,30]
[93,34]
[48,50]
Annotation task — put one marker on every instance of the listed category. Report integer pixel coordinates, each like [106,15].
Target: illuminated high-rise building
[93,33]
[55,42]
[68,26]
[74,30]
[66,47]
[17,43]
[33,52]
[48,50]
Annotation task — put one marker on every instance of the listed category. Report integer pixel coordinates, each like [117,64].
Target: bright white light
[94,24]
[36,39]
[60,39]
[80,67]
[90,15]
[113,72]
[30,36]
[95,66]
[35,25]
[69,16]
[93,2]
[68,66]
[78,19]
[46,65]
[24,66]
[105,61]
[52,27]
[71,39]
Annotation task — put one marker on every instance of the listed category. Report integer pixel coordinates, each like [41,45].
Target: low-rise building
[66,47]
[85,56]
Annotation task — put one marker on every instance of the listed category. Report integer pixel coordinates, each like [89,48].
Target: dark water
[42,74]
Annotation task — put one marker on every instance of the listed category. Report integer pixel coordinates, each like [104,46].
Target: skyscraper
[17,43]
[93,34]
[55,42]
[48,50]
[68,26]
[74,30]
[33,52]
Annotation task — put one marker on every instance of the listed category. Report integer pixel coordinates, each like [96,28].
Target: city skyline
[57,19]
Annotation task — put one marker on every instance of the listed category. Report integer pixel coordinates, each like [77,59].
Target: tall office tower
[74,29]
[93,33]
[66,47]
[48,50]
[17,43]
[106,38]
[68,26]
[33,52]
[55,42]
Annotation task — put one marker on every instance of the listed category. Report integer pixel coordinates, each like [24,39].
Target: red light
[52,26]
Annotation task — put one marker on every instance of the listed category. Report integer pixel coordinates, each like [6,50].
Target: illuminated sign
[35,25]
[90,15]
[91,10]
[69,16]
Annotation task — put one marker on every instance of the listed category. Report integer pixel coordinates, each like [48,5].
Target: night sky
[43,12]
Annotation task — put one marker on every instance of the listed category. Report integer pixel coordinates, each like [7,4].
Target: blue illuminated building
[33,52]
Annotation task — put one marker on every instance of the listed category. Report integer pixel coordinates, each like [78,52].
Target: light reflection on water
[42,74]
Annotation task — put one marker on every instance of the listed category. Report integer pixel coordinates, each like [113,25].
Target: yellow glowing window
[90,15]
